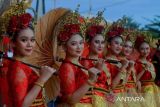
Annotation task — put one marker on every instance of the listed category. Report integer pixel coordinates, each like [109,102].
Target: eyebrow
[76,41]
[73,41]
[23,37]
[26,37]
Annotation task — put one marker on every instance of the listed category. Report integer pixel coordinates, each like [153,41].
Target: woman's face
[97,44]
[116,45]
[75,46]
[24,43]
[144,49]
[127,48]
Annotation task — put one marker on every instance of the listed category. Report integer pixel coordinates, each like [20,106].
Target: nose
[80,46]
[145,50]
[100,45]
[119,46]
[29,44]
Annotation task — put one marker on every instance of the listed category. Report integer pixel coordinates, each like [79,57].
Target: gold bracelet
[39,84]
[89,82]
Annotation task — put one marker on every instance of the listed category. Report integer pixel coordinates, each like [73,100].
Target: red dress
[71,79]
[147,76]
[149,89]
[114,70]
[20,80]
[118,91]
[102,85]
[4,83]
[100,90]
[131,81]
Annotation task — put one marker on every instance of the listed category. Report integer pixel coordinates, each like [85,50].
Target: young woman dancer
[24,84]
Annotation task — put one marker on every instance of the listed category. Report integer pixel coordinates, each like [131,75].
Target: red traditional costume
[149,90]
[119,90]
[114,69]
[130,87]
[4,98]
[71,79]
[20,79]
[101,88]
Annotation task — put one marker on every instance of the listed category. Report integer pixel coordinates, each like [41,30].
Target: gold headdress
[144,36]
[138,36]
[117,29]
[96,25]
[14,10]
[71,23]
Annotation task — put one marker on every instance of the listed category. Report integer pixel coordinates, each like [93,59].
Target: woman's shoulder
[66,66]
[17,66]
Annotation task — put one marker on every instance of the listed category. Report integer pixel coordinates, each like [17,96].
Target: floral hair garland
[139,40]
[94,30]
[115,31]
[17,23]
[69,30]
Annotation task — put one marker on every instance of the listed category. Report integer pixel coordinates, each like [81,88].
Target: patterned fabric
[118,91]
[71,79]
[130,86]
[20,79]
[103,80]
[101,87]
[150,91]
[148,75]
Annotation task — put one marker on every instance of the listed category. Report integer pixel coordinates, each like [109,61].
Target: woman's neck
[93,55]
[19,58]
[72,59]
[112,55]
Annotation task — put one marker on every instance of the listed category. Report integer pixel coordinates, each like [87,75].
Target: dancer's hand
[147,66]
[131,64]
[124,63]
[100,63]
[93,73]
[138,85]
[45,73]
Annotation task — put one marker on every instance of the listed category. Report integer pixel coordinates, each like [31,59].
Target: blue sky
[139,10]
